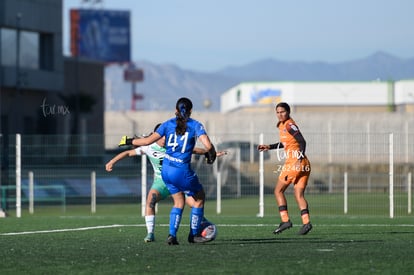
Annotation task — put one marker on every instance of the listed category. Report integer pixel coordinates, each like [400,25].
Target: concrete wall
[247,124]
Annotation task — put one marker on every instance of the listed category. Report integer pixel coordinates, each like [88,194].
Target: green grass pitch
[110,241]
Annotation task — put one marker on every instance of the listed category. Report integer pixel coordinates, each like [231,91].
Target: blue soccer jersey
[179,148]
[176,169]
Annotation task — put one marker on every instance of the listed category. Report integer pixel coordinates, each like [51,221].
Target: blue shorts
[181,179]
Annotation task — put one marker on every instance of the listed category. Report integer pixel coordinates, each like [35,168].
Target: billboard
[102,35]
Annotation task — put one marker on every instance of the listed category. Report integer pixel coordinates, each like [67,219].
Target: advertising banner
[102,35]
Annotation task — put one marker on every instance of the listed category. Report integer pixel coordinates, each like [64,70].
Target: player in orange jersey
[296,169]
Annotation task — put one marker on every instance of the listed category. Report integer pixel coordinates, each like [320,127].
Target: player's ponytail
[183,108]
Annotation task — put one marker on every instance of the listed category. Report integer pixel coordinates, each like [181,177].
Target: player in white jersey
[158,191]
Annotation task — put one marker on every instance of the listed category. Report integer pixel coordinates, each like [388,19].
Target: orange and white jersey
[292,140]
[296,168]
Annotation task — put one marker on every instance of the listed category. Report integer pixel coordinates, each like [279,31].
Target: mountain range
[164,84]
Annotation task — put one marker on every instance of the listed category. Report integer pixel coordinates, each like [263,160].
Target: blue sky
[209,35]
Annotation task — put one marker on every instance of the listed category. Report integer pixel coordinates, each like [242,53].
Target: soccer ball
[208,230]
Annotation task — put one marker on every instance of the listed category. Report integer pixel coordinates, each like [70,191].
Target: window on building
[46,52]
[28,48]
[8,47]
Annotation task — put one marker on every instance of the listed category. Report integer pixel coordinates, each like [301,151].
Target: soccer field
[111,242]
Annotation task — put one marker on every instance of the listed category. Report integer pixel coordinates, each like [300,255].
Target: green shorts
[160,186]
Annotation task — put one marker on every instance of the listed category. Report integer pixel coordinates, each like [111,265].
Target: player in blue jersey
[158,191]
[181,134]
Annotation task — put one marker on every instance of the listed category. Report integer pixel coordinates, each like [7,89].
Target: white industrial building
[375,96]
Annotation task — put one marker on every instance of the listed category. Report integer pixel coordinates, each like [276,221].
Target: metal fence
[362,173]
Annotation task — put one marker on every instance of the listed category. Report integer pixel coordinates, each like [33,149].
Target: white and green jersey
[155,154]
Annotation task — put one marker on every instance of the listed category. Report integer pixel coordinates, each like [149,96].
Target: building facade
[31,62]
[43,94]
[41,91]
[375,96]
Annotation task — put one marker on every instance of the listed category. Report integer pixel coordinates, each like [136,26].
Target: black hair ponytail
[183,112]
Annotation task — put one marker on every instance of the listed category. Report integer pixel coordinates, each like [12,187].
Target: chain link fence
[351,171]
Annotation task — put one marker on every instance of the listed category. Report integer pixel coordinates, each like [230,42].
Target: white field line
[66,230]
[221,225]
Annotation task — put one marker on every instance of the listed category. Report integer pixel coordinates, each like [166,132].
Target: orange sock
[305,216]
[284,215]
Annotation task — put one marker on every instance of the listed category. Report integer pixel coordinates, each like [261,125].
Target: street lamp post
[18,19]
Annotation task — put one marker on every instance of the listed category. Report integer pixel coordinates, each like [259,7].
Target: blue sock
[195,219]
[175,219]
